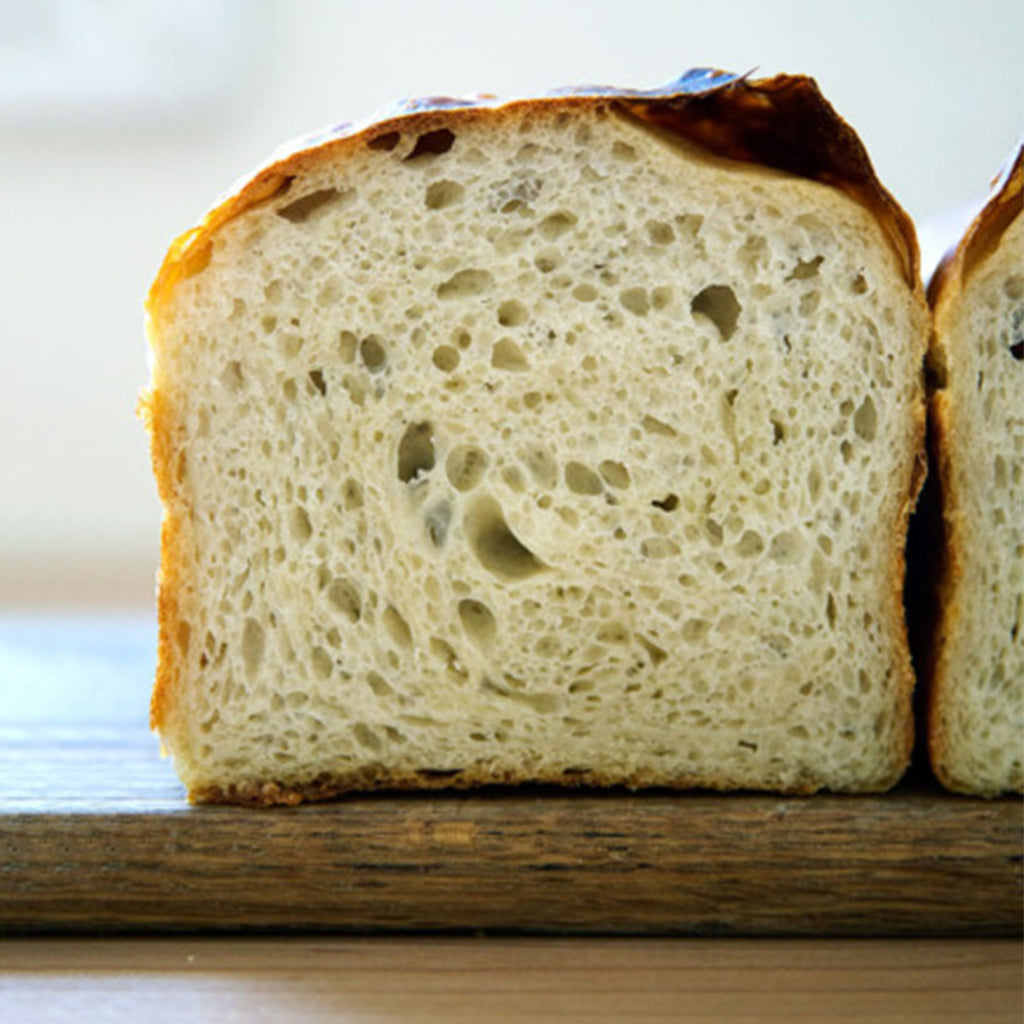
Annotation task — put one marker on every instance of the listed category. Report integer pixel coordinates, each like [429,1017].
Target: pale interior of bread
[981,667]
[540,448]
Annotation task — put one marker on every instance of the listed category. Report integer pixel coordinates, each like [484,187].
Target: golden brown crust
[168,468]
[944,291]
[783,122]
[982,235]
[376,778]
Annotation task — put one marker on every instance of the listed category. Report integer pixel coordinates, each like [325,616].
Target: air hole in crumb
[542,703]
[352,494]
[659,547]
[654,652]
[301,528]
[432,143]
[512,313]
[694,630]
[513,477]
[719,304]
[299,210]
[547,261]
[465,466]
[478,621]
[379,685]
[415,452]
[750,545]
[655,426]
[231,376]
[542,466]
[344,597]
[814,482]
[372,353]
[465,283]
[444,193]
[253,643]
[366,737]
[556,224]
[809,303]
[659,232]
[661,296]
[323,663]
[635,300]
[830,610]
[446,358]
[385,142]
[581,479]
[495,545]
[347,345]
[805,269]
[614,473]
[507,355]
[316,378]
[613,633]
[865,419]
[397,627]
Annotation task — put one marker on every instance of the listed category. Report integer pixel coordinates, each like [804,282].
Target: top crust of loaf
[954,754]
[783,122]
[982,236]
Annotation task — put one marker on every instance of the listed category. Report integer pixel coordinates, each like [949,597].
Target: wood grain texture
[506,981]
[95,835]
[910,863]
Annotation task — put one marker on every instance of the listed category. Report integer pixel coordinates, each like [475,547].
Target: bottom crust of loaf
[373,780]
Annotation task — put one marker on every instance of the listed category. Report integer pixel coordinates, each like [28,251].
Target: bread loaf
[976,716]
[567,440]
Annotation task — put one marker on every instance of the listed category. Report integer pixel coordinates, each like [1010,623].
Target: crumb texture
[981,668]
[541,449]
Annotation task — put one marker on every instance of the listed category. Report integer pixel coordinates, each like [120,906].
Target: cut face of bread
[977,710]
[534,443]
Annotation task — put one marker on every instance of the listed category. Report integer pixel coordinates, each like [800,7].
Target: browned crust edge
[377,778]
[945,289]
[783,122]
[983,234]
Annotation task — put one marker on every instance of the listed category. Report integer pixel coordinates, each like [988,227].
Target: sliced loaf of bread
[976,708]
[567,440]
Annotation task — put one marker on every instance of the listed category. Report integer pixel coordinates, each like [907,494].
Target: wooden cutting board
[95,835]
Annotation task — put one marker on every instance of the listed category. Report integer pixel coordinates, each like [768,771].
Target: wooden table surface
[81,680]
[522,980]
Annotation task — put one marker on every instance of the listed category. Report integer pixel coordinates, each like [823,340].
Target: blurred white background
[121,120]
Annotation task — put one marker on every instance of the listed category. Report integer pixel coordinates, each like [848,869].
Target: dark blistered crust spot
[785,123]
